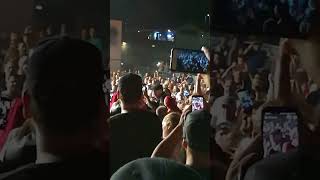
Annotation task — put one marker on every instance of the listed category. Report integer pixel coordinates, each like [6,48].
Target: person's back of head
[155,169]
[64,80]
[130,88]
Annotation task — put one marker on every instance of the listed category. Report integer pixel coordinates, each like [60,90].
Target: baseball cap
[155,169]
[196,130]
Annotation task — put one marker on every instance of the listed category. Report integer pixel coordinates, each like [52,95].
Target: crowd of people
[31,74]
[231,143]
[55,125]
[284,16]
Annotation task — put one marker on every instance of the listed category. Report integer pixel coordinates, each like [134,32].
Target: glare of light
[122,64]
[155,35]
[138,31]
[39,7]
[208,15]
[124,44]
[158,64]
[153,45]
[202,35]
[169,36]
[169,30]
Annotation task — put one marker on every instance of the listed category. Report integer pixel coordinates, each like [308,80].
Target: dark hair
[65,84]
[130,88]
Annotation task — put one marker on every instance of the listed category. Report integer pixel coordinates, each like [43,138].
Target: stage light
[153,46]
[124,44]
[39,7]
[169,30]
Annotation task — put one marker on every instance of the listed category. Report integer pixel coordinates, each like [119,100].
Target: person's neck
[126,108]
[59,148]
[197,160]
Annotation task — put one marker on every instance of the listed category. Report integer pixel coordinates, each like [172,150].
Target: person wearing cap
[136,131]
[196,142]
[155,169]
[64,81]
[193,135]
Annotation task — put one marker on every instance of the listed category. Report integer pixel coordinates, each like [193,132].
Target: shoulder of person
[146,114]
[279,166]
[19,173]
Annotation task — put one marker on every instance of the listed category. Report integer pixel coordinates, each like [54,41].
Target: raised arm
[167,146]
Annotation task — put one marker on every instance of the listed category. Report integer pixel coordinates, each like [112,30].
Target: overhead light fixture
[39,7]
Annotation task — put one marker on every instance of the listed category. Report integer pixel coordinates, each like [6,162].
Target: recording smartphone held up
[197,103]
[188,61]
[245,100]
[280,130]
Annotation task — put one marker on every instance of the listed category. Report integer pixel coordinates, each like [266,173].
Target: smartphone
[245,100]
[280,130]
[189,61]
[197,103]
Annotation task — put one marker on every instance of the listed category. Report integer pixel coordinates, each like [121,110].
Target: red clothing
[14,120]
[114,98]
[171,104]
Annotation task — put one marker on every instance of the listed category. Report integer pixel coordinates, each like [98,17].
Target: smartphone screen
[280,129]
[197,103]
[186,60]
[245,100]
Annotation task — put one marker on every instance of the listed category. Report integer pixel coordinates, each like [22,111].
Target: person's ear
[184,144]
[168,126]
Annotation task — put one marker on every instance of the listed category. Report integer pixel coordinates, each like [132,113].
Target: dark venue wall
[76,15]
[13,11]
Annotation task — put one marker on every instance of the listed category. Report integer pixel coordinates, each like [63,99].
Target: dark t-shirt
[205,174]
[290,166]
[93,167]
[133,135]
